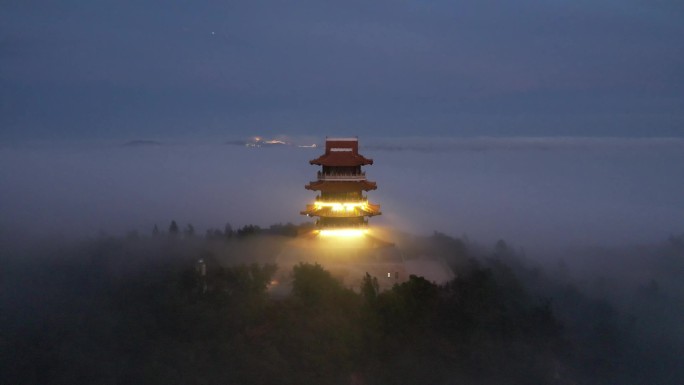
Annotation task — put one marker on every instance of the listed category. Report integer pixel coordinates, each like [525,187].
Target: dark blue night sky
[214,69]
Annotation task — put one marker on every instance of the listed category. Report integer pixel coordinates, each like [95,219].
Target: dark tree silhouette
[189,231]
[173,228]
[370,288]
[313,284]
[228,231]
[248,230]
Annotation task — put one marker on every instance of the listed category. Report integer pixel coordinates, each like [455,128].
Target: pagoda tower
[341,206]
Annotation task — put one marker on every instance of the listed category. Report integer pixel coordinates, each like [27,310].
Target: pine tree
[370,288]
[189,231]
[173,228]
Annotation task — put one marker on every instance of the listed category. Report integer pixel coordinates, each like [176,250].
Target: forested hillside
[135,309]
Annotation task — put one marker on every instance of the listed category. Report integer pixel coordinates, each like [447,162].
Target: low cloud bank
[521,143]
[539,191]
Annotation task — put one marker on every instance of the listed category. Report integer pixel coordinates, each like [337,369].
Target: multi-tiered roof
[341,204]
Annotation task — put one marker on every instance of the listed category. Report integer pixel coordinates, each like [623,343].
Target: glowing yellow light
[347,233]
[340,206]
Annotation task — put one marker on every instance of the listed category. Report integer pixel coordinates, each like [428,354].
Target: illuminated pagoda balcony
[342,209]
[353,198]
[329,224]
[341,183]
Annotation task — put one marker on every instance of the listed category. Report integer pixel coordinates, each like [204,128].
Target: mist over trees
[175,307]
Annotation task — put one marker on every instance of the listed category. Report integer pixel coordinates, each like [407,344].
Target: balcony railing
[341,214]
[341,211]
[341,177]
[363,199]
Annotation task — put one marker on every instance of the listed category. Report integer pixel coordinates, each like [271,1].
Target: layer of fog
[576,206]
[536,192]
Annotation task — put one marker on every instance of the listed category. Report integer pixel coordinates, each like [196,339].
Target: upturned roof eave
[341,161]
[341,186]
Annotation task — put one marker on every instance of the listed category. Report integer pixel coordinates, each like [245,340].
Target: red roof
[324,185]
[341,152]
